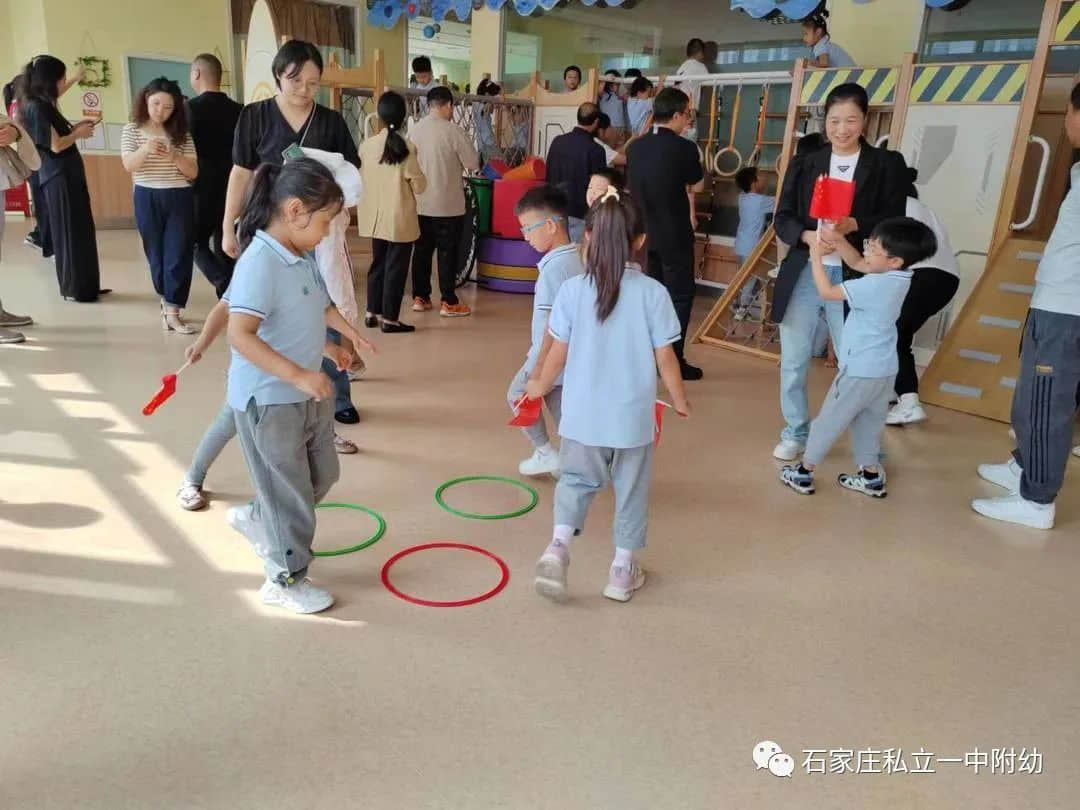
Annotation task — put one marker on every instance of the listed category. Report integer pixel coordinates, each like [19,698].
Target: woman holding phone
[160,154]
[63,179]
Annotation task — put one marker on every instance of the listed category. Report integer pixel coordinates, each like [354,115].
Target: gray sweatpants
[1045,402]
[859,403]
[290,455]
[587,470]
[219,434]
[538,433]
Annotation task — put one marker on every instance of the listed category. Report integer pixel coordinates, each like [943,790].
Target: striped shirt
[157,171]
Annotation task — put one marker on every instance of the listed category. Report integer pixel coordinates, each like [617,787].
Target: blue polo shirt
[609,385]
[556,267]
[753,208]
[868,342]
[287,293]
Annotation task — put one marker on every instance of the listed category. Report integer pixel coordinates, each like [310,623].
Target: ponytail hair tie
[390,127]
[612,193]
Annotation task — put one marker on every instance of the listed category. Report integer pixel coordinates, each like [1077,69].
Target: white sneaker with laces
[300,597]
[907,411]
[1016,509]
[541,462]
[1005,475]
[788,450]
[241,520]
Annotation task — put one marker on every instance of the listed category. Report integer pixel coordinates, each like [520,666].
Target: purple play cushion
[511,252]
[503,285]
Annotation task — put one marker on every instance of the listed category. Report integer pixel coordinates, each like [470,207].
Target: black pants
[676,272]
[41,230]
[72,232]
[387,277]
[442,233]
[931,291]
[214,262]
[1045,402]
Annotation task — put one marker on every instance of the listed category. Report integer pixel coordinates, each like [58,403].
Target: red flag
[526,412]
[832,199]
[168,388]
[658,412]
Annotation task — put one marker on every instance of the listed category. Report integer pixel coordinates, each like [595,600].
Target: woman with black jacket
[881,184]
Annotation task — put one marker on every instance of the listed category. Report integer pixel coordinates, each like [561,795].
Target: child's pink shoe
[551,572]
[622,582]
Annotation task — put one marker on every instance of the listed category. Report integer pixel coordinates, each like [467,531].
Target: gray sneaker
[9,319]
[11,336]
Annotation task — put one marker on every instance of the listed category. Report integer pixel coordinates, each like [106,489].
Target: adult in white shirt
[932,288]
[693,66]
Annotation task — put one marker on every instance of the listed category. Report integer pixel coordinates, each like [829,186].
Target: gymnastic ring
[533,496]
[375,538]
[716,162]
[754,156]
[703,156]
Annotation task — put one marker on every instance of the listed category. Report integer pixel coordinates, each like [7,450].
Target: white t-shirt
[944,259]
[841,167]
[692,67]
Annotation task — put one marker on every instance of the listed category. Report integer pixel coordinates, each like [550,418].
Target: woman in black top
[63,179]
[265,132]
[880,178]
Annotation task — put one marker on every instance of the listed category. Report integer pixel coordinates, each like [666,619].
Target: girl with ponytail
[611,329]
[823,51]
[388,163]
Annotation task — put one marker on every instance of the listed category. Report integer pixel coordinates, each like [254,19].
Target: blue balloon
[429,31]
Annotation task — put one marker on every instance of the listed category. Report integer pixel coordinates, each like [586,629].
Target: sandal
[343,446]
[191,498]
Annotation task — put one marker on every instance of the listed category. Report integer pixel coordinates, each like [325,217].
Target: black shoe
[349,416]
[371,322]
[690,372]
[32,241]
[106,291]
[391,328]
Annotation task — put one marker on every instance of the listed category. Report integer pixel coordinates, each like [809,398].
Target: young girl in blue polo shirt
[284,404]
[611,328]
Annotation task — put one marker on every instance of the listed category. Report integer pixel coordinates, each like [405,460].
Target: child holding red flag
[543,213]
[611,329]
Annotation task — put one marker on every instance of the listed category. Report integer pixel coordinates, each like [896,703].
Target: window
[1014,45]
[955,47]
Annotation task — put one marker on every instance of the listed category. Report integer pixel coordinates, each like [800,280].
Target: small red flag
[526,412]
[168,388]
[832,199]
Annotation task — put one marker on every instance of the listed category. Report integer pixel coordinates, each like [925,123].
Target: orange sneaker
[421,304]
[454,310]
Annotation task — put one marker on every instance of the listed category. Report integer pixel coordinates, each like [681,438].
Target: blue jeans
[340,379]
[166,221]
[797,347]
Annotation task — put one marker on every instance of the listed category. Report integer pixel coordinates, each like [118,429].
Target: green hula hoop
[534,497]
[375,538]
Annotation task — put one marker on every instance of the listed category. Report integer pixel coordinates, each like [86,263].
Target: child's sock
[624,558]
[563,535]
[546,449]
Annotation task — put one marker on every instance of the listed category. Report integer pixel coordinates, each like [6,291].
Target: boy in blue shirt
[754,207]
[543,213]
[859,396]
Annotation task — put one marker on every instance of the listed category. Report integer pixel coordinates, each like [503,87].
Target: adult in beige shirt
[445,153]
[387,213]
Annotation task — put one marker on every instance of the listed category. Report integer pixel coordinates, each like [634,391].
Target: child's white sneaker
[541,462]
[241,520]
[907,411]
[551,572]
[623,581]
[788,450]
[300,597]
[1017,509]
[1006,476]
[191,498]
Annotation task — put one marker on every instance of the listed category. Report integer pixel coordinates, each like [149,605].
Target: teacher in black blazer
[880,192]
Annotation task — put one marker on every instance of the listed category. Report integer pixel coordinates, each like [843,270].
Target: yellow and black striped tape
[969,84]
[1068,27]
[880,84]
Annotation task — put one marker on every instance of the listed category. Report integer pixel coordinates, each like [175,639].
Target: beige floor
[139,672]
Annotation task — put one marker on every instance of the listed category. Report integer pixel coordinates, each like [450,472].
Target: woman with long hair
[158,151]
[389,217]
[279,129]
[881,184]
[63,179]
